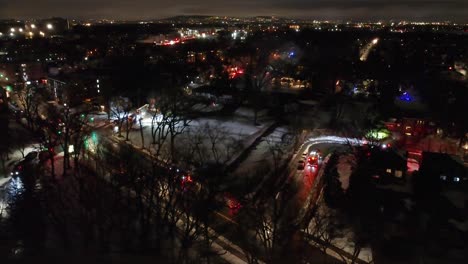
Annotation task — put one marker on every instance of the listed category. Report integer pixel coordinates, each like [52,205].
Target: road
[306,184]
[303,187]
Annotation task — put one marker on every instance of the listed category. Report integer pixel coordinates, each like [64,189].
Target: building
[444,167]
[387,165]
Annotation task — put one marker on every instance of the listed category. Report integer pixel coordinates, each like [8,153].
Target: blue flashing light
[406,97]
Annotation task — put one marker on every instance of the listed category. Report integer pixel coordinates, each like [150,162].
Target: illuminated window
[443,177]
[389,170]
[398,174]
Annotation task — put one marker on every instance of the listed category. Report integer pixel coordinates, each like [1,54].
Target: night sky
[362,10]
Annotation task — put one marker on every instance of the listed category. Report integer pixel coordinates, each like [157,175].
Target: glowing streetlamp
[12,29]
[49,26]
[20,29]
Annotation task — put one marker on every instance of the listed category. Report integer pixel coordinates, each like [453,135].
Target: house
[387,165]
[443,167]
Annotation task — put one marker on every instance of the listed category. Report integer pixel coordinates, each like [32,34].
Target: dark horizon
[354,10]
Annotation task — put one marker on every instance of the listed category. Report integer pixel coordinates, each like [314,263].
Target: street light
[49,26]
[33,26]
[12,29]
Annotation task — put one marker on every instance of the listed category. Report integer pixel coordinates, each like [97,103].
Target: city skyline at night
[356,10]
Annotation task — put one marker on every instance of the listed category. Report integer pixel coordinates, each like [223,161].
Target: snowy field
[260,161]
[212,138]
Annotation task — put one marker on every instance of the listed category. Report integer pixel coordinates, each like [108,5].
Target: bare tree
[120,110]
[324,227]
[178,121]
[257,81]
[29,102]
[159,128]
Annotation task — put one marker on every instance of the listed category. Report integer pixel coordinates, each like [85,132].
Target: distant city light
[12,29]
[49,26]
[20,29]
[33,26]
[375,41]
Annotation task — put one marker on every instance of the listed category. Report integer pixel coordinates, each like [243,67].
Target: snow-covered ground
[234,127]
[227,134]
[343,238]
[345,168]
[261,160]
